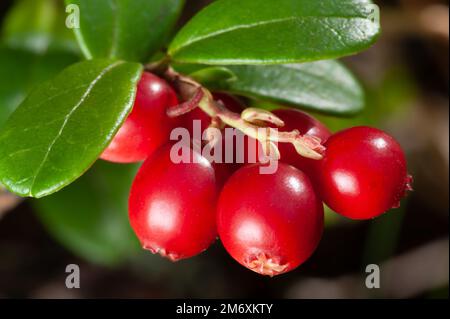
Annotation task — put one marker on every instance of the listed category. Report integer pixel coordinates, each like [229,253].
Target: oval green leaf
[125,29]
[90,217]
[276,31]
[59,131]
[323,86]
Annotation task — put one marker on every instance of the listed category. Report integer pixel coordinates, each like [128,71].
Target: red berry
[269,223]
[293,120]
[307,125]
[147,127]
[172,207]
[363,173]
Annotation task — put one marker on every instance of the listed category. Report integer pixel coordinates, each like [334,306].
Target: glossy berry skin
[269,223]
[172,207]
[363,173]
[147,127]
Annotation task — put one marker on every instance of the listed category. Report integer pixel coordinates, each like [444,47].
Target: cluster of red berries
[269,223]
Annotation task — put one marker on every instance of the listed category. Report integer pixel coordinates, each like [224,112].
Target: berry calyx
[363,173]
[269,223]
[172,207]
[147,127]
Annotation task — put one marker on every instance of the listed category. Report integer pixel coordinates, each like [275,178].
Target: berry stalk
[252,122]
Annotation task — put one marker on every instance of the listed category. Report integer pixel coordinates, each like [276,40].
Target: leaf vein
[333,30]
[257,24]
[67,118]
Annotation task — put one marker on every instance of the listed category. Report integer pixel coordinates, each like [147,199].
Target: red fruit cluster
[269,223]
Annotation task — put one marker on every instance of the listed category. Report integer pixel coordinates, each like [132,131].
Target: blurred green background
[406,79]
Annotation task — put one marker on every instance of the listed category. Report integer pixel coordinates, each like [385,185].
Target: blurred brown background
[406,78]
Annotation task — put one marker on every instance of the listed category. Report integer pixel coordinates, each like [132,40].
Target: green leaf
[389,97]
[38,26]
[21,70]
[59,131]
[125,29]
[276,31]
[90,217]
[323,86]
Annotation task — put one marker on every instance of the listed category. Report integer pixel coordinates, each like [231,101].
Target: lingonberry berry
[147,127]
[269,223]
[363,173]
[293,120]
[172,207]
[306,125]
